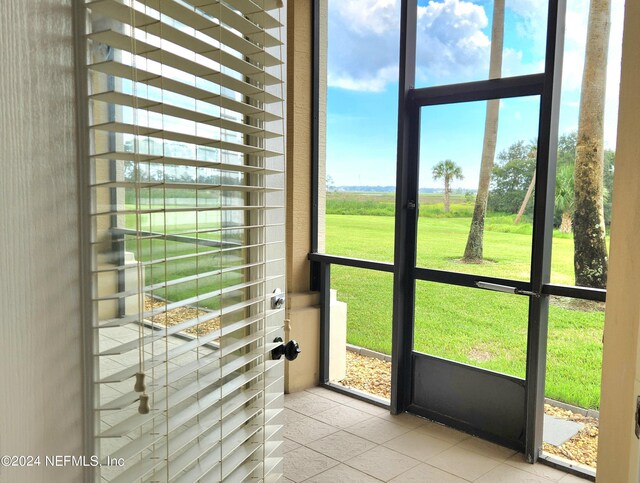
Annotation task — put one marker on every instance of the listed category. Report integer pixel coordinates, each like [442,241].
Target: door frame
[405,363]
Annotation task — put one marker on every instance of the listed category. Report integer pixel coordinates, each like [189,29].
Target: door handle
[505,289]
[290,350]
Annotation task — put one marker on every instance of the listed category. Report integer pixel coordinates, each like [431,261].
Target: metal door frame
[406,364]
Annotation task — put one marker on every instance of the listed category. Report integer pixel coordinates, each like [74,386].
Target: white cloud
[453,46]
[532,20]
[364,35]
[363,38]
[513,64]
[451,43]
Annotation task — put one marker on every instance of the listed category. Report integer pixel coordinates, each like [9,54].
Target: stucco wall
[41,404]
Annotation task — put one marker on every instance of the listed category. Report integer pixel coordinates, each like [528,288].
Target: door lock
[290,350]
[277,299]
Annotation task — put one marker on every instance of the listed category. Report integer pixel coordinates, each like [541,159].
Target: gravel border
[369,371]
[590,413]
[368,353]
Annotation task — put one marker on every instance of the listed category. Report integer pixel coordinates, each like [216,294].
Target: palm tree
[448,171]
[590,249]
[473,250]
[564,196]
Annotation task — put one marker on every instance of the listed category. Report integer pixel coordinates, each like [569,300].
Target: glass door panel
[480,328]
[453,144]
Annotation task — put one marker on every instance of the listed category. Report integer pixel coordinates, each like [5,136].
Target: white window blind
[187,202]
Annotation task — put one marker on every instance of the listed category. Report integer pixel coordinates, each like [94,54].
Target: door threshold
[356,394]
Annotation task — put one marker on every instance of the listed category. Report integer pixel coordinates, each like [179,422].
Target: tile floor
[330,437]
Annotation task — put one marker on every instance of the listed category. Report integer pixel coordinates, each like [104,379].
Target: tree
[448,171]
[567,156]
[473,250]
[590,250]
[331,186]
[527,198]
[564,196]
[511,178]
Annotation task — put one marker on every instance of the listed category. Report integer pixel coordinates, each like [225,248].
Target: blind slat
[175,375]
[196,255]
[249,9]
[156,106]
[194,209]
[177,281]
[166,134]
[120,321]
[195,187]
[150,22]
[159,431]
[159,54]
[220,11]
[190,411]
[172,161]
[155,79]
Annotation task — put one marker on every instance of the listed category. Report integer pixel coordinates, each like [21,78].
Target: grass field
[482,328]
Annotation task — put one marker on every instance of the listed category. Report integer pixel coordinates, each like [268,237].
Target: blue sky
[453,46]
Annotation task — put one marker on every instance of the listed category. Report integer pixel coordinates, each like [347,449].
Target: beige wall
[618,446]
[303,315]
[299,77]
[41,400]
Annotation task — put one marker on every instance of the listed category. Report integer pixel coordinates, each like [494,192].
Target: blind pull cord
[140,386]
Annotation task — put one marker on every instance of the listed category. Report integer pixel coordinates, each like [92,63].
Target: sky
[454,41]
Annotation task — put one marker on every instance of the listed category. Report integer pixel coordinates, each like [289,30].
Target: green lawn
[483,328]
[477,327]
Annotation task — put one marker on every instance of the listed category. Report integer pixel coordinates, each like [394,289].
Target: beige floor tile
[463,463]
[341,416]
[405,419]
[378,430]
[442,432]
[329,394]
[342,474]
[573,479]
[382,463]
[295,395]
[289,445]
[303,463]
[487,448]
[424,473]
[508,474]
[310,404]
[518,461]
[341,446]
[306,430]
[290,416]
[367,407]
[418,445]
